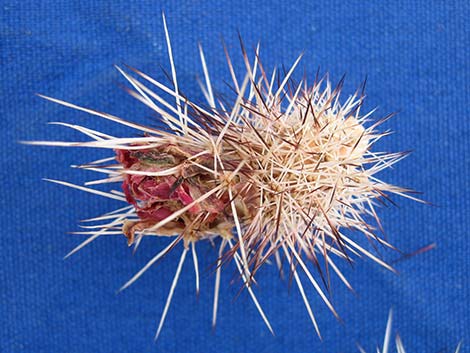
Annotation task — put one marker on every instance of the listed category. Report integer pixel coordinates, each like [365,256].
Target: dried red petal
[156,198]
[154,214]
[124,157]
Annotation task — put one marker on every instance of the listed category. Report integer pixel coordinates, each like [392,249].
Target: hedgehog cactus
[278,173]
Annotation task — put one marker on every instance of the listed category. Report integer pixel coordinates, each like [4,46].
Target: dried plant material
[278,173]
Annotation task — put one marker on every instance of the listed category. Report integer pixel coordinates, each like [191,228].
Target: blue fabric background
[416,57]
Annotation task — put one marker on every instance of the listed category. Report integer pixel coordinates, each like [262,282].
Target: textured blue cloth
[416,57]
